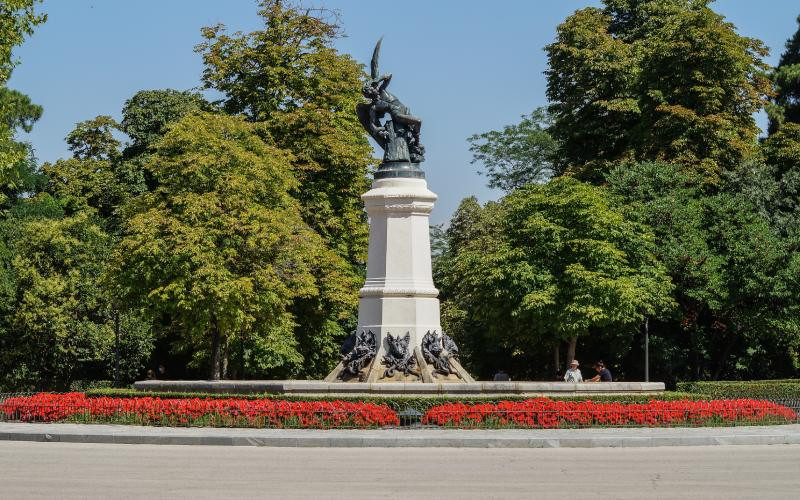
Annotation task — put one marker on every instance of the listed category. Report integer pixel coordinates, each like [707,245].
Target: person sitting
[573,374]
[603,375]
[501,376]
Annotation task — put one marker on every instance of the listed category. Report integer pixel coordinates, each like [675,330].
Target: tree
[654,80]
[786,77]
[94,177]
[220,245]
[556,262]
[94,139]
[57,321]
[17,20]
[289,78]
[517,155]
[58,239]
[146,115]
[774,182]
[731,269]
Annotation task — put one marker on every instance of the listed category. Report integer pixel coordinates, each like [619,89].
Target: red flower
[547,413]
[46,407]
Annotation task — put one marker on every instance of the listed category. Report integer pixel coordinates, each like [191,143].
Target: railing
[270,413]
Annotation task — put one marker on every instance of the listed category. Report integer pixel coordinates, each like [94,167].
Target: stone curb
[416,438]
[316,387]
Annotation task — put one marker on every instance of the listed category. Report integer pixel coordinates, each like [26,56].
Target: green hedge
[399,403]
[85,385]
[757,389]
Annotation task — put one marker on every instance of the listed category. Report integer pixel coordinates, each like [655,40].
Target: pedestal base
[316,387]
[399,338]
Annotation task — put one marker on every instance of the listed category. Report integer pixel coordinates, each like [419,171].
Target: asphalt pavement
[33,470]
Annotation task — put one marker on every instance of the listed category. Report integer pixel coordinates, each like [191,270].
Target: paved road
[67,470]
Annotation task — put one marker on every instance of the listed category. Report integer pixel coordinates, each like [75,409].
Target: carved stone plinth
[398,302]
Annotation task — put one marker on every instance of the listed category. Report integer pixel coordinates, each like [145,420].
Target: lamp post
[646,349]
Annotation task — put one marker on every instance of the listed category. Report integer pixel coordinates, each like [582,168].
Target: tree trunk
[241,359]
[225,353]
[573,343]
[722,360]
[216,351]
[694,355]
[557,360]
[116,347]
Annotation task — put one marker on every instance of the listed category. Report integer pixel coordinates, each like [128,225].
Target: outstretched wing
[375,54]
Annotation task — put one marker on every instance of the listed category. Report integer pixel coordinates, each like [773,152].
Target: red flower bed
[76,407]
[547,413]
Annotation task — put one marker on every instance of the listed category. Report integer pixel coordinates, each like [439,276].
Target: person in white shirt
[573,374]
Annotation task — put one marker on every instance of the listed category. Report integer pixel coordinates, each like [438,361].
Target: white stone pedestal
[398,295]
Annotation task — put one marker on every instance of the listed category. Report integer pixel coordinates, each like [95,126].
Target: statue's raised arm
[398,135]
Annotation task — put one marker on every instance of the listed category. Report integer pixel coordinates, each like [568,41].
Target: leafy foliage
[289,78]
[786,77]
[732,274]
[769,389]
[219,245]
[517,155]
[57,322]
[18,18]
[146,115]
[654,80]
[549,262]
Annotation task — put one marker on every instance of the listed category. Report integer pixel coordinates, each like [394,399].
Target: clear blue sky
[464,66]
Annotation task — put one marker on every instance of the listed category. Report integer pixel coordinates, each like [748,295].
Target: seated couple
[574,374]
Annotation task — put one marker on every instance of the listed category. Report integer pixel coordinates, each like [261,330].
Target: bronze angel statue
[399,134]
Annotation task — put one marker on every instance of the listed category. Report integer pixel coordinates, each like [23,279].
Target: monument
[399,346]
[399,336]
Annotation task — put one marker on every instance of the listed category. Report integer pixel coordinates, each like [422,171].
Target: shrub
[85,385]
[757,389]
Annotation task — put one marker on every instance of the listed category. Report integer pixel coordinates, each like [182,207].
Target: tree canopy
[786,106]
[517,155]
[18,18]
[289,78]
[654,80]
[220,245]
[552,262]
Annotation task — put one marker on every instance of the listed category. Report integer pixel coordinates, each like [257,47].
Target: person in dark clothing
[501,376]
[603,375]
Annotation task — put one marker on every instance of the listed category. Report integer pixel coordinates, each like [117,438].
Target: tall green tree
[786,76]
[18,18]
[220,245]
[774,183]
[732,273]
[58,323]
[555,262]
[288,77]
[74,207]
[88,180]
[654,80]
